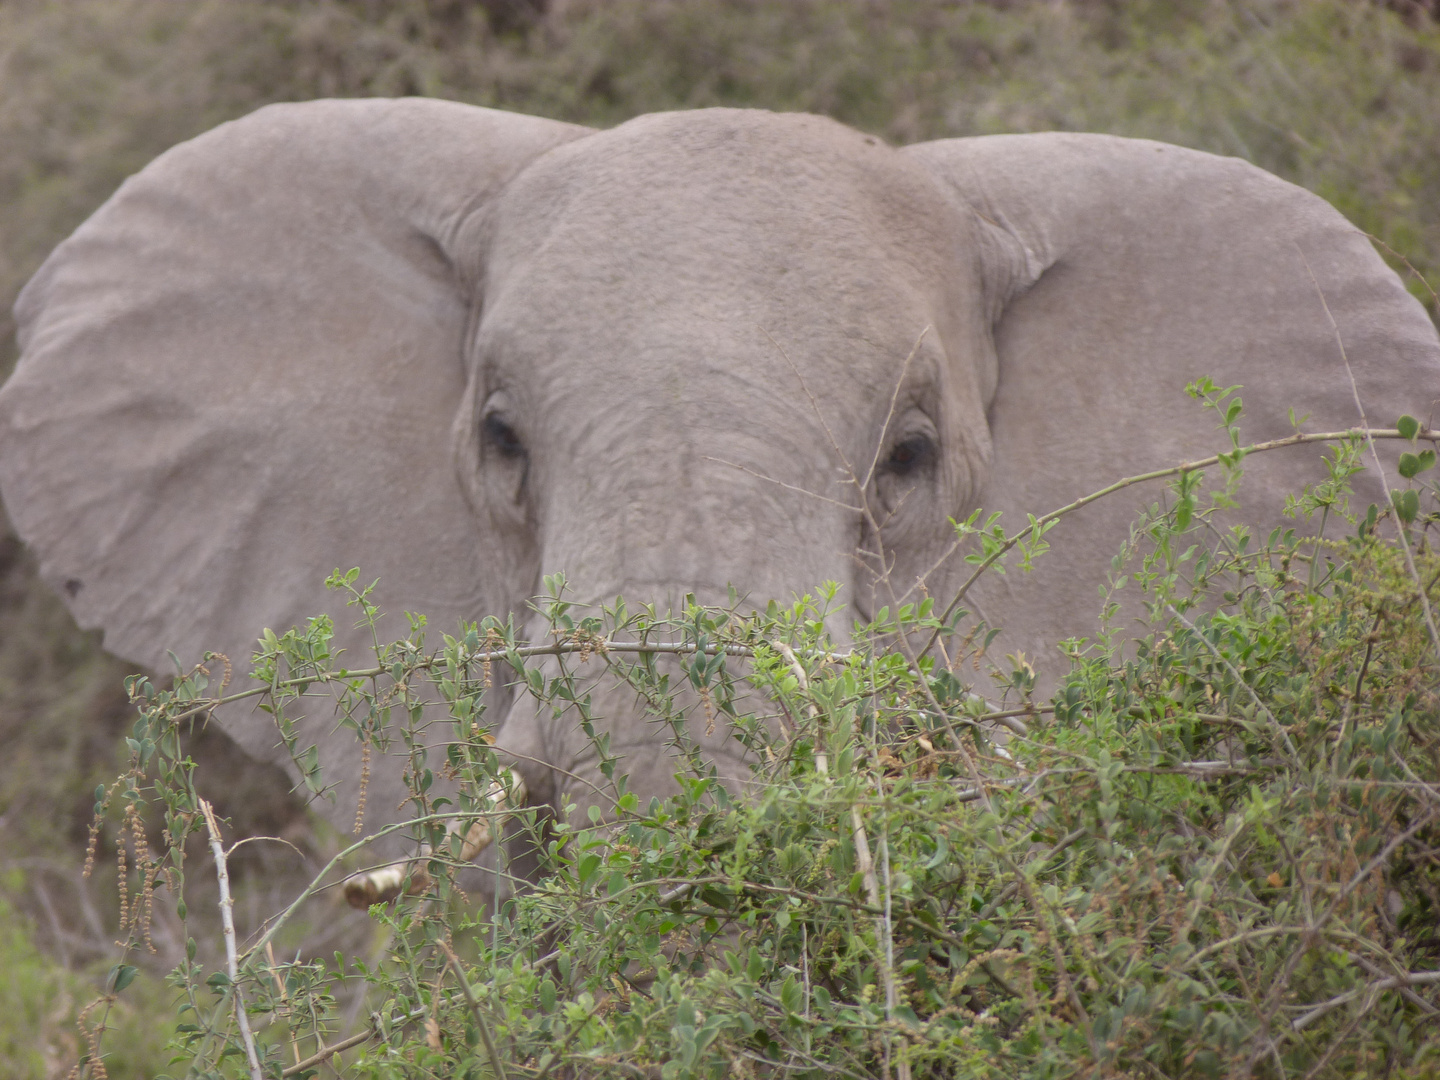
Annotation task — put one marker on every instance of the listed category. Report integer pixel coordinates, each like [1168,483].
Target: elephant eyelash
[502,437]
[910,455]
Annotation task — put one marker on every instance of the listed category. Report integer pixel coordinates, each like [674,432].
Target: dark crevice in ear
[1008,267]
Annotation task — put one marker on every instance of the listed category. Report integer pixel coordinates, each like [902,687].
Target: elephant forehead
[740,244]
[735,217]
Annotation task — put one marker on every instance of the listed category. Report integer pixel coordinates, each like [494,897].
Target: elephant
[462,349]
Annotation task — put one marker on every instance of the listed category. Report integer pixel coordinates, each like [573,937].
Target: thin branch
[822,759]
[1400,529]
[783,484]
[328,1052]
[892,998]
[890,412]
[1298,439]
[1414,978]
[495,1063]
[560,648]
[863,860]
[227,922]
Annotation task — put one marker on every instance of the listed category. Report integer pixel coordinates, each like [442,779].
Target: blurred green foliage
[40,1000]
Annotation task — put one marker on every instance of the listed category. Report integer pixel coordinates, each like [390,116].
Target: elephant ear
[1116,271]
[242,372]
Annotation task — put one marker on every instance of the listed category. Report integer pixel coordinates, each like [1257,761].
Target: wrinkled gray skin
[462,348]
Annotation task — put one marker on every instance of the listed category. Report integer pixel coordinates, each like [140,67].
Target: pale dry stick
[1400,529]
[1405,991]
[822,759]
[227,924]
[1260,934]
[882,919]
[1413,978]
[490,1049]
[1298,439]
[781,483]
[863,859]
[325,1054]
[892,998]
[1203,886]
[884,926]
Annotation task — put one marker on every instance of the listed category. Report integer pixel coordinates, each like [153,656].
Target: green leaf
[791,996]
[754,966]
[1407,505]
[1407,426]
[121,976]
[1411,465]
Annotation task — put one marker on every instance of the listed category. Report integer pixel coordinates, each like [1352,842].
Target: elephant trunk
[701,534]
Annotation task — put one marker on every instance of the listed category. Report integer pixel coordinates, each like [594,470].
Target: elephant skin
[463,348]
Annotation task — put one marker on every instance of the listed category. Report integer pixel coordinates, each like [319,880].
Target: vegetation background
[1340,96]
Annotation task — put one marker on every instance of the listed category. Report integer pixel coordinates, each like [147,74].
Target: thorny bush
[1213,853]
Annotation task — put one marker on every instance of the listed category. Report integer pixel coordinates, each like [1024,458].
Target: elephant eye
[910,455]
[503,437]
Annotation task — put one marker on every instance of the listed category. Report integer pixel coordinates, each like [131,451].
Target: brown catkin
[709,704]
[144,905]
[122,876]
[364,787]
[90,846]
[492,642]
[91,1037]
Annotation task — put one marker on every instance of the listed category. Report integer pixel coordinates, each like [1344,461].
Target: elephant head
[463,348]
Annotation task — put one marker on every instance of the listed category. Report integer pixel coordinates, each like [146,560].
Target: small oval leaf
[121,976]
[1407,505]
[1407,426]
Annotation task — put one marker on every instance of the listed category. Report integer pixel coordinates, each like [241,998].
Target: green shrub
[1215,855]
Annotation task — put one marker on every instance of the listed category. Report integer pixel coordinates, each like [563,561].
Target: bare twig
[328,1052]
[892,999]
[496,1065]
[227,922]
[1298,439]
[1400,530]
[588,646]
[863,860]
[1414,978]
[822,759]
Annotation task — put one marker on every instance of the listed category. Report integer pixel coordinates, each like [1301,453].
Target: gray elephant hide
[462,348]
